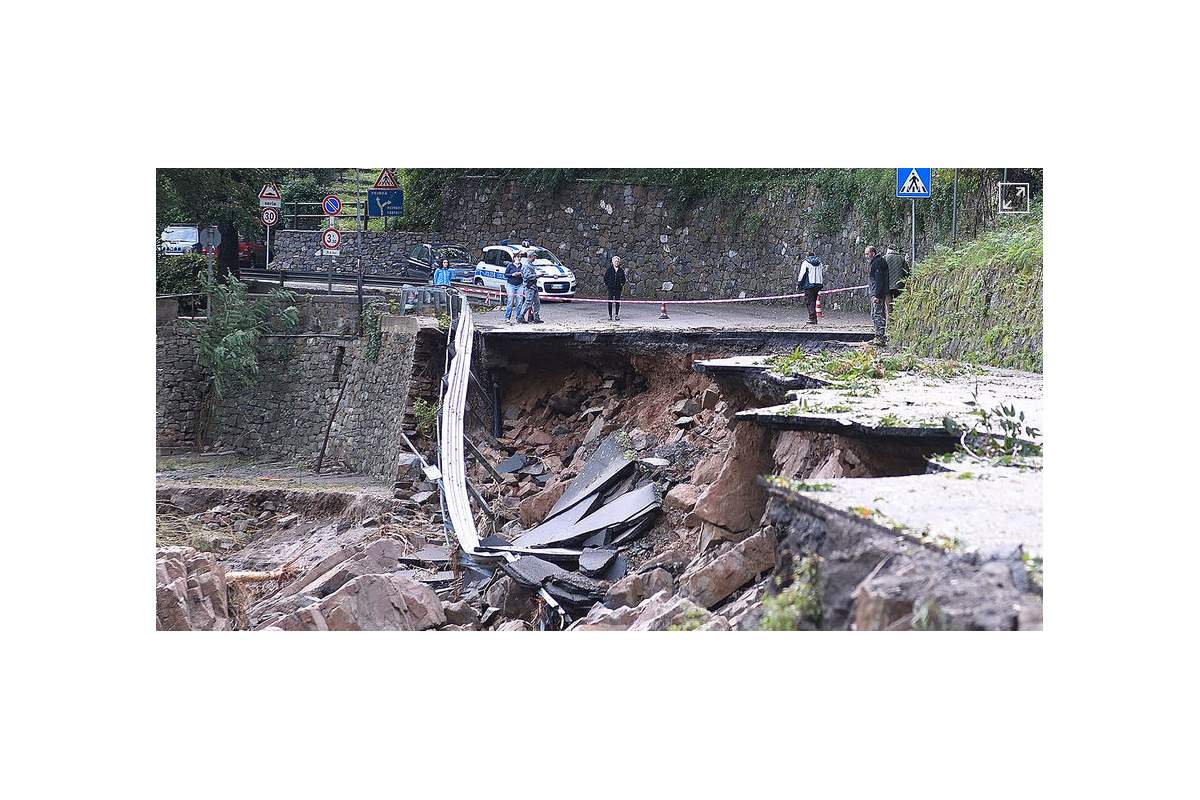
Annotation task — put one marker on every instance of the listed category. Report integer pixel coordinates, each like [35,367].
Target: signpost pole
[914,182]
[912,252]
[358,225]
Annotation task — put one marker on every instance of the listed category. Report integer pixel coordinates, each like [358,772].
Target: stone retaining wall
[747,247]
[285,415]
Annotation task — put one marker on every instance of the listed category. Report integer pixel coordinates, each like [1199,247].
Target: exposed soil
[555,413]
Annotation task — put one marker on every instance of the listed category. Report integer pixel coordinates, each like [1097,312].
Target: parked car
[179,239]
[251,254]
[554,279]
[424,258]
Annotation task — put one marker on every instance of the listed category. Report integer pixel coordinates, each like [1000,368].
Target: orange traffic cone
[819,314]
[662,310]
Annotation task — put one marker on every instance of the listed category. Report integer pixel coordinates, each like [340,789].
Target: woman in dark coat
[614,279]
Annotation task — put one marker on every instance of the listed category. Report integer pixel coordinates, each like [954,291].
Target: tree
[228,198]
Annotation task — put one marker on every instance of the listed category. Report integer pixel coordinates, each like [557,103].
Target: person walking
[514,284]
[877,287]
[809,281]
[614,279]
[897,275]
[532,303]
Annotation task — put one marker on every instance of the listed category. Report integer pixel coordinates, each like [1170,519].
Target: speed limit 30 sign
[269,216]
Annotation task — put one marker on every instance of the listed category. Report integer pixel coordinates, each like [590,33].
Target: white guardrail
[451,458]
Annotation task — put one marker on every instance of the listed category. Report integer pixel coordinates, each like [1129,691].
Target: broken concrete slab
[911,405]
[571,590]
[594,561]
[512,464]
[623,511]
[606,465]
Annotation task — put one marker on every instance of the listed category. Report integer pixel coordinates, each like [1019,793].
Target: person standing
[614,279]
[897,275]
[442,275]
[532,303]
[877,287]
[809,281]
[514,284]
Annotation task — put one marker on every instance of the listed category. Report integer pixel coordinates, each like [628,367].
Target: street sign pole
[914,182]
[358,225]
[912,251]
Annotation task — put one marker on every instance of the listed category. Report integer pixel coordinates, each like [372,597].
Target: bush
[180,274]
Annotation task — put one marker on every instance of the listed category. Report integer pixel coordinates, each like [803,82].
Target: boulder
[382,603]
[735,501]
[682,497]
[460,613]
[536,506]
[633,589]
[710,583]
[190,591]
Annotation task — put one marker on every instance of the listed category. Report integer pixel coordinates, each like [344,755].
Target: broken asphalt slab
[964,504]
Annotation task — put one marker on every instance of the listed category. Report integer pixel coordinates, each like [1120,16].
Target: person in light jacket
[809,281]
[531,303]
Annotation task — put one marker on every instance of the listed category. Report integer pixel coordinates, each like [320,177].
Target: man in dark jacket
[877,287]
[614,279]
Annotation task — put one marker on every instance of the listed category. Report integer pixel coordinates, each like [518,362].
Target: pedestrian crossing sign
[913,181]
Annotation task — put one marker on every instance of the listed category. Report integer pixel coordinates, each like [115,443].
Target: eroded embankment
[728,550]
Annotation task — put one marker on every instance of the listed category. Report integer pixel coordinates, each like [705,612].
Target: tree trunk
[227,253]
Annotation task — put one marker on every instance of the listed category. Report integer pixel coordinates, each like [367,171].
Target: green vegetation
[1001,437]
[371,322]
[691,620]
[427,417]
[230,344]
[1033,569]
[797,486]
[868,194]
[929,617]
[180,274]
[981,303]
[848,369]
[799,604]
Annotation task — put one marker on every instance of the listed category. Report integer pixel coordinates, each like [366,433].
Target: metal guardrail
[451,454]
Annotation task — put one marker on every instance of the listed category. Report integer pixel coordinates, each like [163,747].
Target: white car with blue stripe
[554,280]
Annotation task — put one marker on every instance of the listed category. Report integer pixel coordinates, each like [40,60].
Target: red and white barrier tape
[479,290]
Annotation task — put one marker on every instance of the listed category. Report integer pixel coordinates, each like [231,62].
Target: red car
[250,253]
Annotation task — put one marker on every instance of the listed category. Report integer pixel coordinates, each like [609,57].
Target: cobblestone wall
[382,252]
[748,247]
[285,415]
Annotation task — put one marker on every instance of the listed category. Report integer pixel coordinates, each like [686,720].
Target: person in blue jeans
[516,292]
[532,303]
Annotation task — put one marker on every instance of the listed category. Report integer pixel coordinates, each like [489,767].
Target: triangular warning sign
[386,180]
[913,184]
[269,192]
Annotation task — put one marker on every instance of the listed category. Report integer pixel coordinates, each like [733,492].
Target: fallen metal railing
[456,503]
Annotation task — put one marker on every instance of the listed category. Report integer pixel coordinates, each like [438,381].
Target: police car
[554,280]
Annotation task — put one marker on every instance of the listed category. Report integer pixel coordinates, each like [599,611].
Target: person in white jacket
[809,280]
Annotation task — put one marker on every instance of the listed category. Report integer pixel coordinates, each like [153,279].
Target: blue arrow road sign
[332,205]
[913,181]
[385,202]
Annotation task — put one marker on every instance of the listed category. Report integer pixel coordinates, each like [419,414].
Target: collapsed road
[648,485]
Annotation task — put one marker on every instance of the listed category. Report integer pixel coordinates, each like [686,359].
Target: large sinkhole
[559,393]
[547,401]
